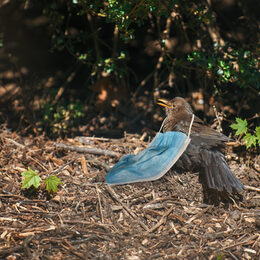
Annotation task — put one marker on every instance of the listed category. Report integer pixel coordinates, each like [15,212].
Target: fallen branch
[89,139]
[87,150]
[251,188]
[15,143]
[236,143]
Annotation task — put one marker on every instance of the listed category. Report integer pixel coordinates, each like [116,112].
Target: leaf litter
[87,219]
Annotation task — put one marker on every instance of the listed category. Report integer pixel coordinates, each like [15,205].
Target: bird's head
[175,105]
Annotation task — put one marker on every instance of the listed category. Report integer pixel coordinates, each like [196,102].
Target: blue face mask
[153,162]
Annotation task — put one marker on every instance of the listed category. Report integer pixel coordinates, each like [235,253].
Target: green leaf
[257,132]
[240,126]
[52,182]
[31,178]
[220,257]
[250,140]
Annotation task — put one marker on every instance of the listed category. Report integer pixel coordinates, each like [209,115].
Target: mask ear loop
[162,125]
[191,123]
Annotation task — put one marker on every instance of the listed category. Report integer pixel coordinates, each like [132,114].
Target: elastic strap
[162,124]
[191,122]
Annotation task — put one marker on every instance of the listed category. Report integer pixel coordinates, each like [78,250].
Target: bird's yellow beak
[163,103]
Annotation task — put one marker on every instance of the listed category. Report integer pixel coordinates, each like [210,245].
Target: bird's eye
[173,105]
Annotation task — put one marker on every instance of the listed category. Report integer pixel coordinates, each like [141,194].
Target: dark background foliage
[98,66]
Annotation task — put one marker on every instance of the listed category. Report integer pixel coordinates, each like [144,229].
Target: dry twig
[130,212]
[161,221]
[7,251]
[248,240]
[96,151]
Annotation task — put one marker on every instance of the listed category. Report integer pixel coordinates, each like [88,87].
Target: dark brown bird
[204,151]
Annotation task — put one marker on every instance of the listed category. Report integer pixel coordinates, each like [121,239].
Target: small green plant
[32,179]
[252,138]
[219,256]
[52,182]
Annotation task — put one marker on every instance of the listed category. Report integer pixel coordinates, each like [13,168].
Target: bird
[205,151]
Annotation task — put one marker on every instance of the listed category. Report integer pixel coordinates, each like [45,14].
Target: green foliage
[229,65]
[121,13]
[111,66]
[220,256]
[32,179]
[242,129]
[127,14]
[52,182]
[240,126]
[257,131]
[103,51]
[58,119]
[250,140]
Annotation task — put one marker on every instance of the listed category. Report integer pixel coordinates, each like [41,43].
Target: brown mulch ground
[86,219]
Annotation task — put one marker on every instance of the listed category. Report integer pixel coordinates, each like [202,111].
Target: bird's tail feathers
[217,173]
